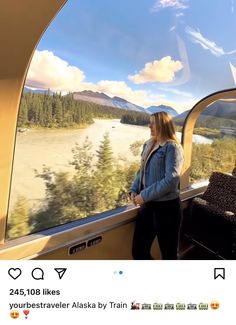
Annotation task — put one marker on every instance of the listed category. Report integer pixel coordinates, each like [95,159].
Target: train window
[95,77]
[215,149]
[63,174]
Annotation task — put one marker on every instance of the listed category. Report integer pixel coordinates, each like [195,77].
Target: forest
[100,181]
[104,185]
[56,111]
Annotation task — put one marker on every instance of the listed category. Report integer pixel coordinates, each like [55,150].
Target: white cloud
[157,71]
[141,97]
[179,14]
[49,71]
[121,89]
[205,43]
[184,105]
[176,91]
[174,4]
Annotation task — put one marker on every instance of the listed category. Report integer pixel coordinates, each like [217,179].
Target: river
[52,148]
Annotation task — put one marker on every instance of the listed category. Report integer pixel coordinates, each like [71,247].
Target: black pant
[161,219]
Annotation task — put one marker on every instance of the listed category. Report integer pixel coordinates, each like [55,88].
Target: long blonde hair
[164,126]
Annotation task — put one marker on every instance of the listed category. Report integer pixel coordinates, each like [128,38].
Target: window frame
[11,87]
[188,127]
[15,60]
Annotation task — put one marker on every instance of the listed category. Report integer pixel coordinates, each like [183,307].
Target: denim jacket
[161,172]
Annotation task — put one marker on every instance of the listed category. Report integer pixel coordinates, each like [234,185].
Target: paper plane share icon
[60,271]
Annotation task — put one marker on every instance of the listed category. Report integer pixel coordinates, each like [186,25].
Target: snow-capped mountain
[103,99]
[161,108]
[37,91]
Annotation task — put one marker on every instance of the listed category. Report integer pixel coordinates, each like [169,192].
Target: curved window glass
[215,149]
[100,69]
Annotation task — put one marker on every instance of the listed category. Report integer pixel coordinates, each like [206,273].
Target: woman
[156,190]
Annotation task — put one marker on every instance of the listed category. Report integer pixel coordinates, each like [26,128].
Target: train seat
[213,216]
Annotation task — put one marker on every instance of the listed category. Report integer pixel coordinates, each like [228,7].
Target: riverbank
[52,148]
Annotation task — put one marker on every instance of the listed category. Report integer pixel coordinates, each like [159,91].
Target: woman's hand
[132,196]
[138,200]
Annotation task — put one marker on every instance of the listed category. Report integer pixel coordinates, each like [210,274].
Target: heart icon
[26,312]
[14,273]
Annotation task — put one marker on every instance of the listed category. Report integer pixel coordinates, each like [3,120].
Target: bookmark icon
[219,272]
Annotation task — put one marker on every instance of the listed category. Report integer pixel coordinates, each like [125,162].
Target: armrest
[214,209]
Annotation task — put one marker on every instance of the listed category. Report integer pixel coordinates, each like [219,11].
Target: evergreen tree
[83,180]
[105,155]
[68,197]
[53,110]
[57,112]
[106,191]
[23,114]
[18,224]
[82,158]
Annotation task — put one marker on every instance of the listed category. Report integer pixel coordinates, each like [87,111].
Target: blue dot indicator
[120,272]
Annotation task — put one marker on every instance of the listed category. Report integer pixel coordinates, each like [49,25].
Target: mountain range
[103,99]
[219,115]
[160,108]
[221,108]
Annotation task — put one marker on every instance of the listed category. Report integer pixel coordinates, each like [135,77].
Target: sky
[149,52]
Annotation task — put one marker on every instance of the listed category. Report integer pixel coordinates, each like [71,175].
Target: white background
[141,281]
